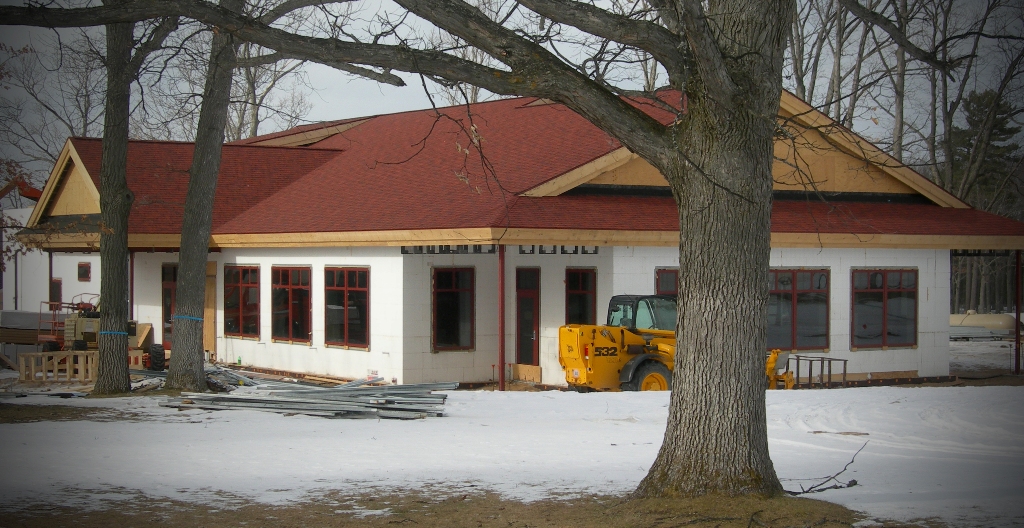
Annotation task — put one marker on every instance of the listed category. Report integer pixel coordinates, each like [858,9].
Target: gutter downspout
[17,257]
[131,285]
[501,317]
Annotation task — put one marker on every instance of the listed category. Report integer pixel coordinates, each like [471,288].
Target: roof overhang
[522,236]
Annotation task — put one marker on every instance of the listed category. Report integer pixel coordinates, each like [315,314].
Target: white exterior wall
[552,300]
[28,275]
[400,307]
[383,357]
[635,267]
[931,355]
[145,290]
[65,267]
[422,364]
[634,272]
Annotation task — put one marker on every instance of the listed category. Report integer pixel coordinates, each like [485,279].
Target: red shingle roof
[158,175]
[430,170]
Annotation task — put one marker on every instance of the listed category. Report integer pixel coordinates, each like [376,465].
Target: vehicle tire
[156,357]
[651,376]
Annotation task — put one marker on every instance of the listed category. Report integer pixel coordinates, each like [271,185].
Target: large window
[290,304]
[666,281]
[242,301]
[347,310]
[453,308]
[580,296]
[884,308]
[798,309]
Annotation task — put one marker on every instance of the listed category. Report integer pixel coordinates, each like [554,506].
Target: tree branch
[153,43]
[898,36]
[707,55]
[641,34]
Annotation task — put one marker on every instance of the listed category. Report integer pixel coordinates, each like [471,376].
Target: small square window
[84,271]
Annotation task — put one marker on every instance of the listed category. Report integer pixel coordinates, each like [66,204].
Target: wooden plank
[7,361]
[530,373]
[210,313]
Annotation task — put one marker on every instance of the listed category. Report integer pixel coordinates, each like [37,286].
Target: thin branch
[901,38]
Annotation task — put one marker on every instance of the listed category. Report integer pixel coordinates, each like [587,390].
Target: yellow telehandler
[636,349]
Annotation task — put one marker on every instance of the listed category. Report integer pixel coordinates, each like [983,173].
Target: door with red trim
[527,316]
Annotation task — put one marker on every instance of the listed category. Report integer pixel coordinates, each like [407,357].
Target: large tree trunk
[115,205]
[716,439]
[186,369]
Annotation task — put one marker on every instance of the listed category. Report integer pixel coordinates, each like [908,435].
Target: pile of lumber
[357,399]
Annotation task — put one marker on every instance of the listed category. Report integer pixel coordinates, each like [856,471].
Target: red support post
[1016,322]
[501,316]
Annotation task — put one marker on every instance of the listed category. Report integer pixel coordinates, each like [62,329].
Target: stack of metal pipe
[357,399]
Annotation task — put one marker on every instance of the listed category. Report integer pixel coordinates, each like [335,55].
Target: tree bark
[715,439]
[186,369]
[115,206]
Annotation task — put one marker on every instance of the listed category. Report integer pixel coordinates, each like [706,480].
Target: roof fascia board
[429,237]
[889,241]
[308,137]
[582,174]
[856,146]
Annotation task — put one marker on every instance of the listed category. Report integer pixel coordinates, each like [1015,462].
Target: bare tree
[186,368]
[726,59]
[51,92]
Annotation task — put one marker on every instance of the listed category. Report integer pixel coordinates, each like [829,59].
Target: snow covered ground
[953,453]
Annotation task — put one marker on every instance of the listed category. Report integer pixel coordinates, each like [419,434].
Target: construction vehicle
[76,326]
[636,349]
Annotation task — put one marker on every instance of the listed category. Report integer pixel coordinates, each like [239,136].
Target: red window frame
[437,287]
[84,272]
[777,286]
[351,282]
[290,305]
[663,275]
[891,281]
[246,279]
[590,294]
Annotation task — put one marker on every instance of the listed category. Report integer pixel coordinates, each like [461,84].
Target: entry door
[169,285]
[527,316]
[210,312]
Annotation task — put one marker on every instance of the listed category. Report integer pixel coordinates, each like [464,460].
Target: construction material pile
[357,399]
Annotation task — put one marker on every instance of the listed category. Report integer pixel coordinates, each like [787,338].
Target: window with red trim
[347,306]
[798,309]
[84,271]
[242,301]
[666,281]
[289,292]
[884,308]
[580,296]
[453,292]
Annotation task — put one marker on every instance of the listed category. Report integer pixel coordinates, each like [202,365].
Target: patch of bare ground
[478,510]
[979,379]
[13,413]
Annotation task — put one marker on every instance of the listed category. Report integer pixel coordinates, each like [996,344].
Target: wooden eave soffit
[802,114]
